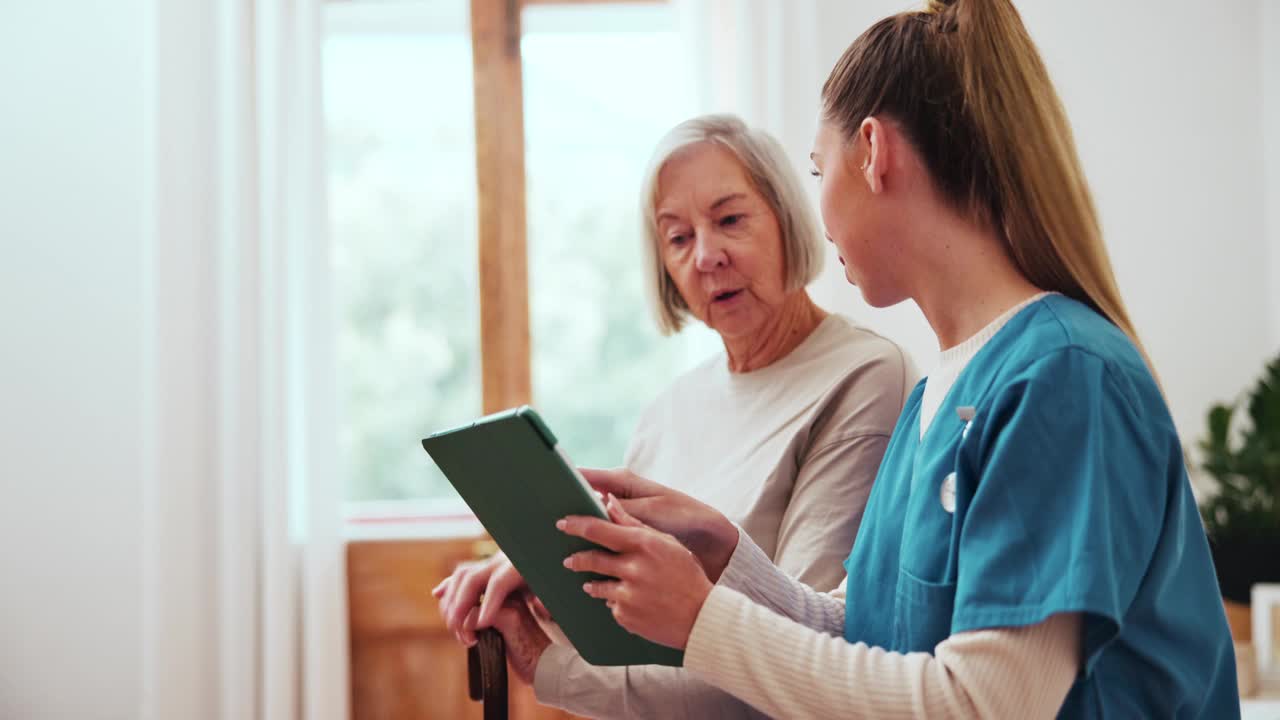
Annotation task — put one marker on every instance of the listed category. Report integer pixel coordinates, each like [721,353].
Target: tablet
[511,471]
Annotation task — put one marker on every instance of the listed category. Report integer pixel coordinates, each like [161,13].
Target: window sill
[410,520]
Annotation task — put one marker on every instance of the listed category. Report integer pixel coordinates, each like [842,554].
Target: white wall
[1269,31]
[71,293]
[1168,118]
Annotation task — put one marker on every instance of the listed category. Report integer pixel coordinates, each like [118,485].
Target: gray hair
[773,177]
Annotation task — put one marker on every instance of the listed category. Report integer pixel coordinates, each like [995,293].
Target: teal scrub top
[1050,481]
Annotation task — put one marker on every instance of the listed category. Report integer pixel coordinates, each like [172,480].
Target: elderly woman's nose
[710,252]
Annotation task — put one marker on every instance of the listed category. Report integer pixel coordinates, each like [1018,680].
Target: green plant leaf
[1247,469]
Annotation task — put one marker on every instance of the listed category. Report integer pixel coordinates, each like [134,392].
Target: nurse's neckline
[955,361]
[968,347]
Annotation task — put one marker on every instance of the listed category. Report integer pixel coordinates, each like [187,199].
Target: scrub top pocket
[923,615]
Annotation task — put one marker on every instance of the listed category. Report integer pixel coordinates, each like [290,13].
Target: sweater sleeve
[564,680]
[785,669]
[824,511]
[750,573]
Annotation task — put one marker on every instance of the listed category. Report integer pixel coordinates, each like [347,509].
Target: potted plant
[1243,518]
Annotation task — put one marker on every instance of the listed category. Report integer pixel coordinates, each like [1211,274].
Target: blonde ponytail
[966,82]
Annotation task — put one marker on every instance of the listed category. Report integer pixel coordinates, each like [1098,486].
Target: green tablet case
[508,469]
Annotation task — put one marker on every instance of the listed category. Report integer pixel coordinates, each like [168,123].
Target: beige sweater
[789,453]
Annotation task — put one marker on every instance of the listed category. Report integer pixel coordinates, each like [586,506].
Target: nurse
[1031,546]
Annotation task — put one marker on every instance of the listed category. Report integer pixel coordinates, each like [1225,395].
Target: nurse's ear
[872,151]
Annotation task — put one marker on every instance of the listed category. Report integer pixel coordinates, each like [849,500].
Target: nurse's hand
[707,533]
[660,586]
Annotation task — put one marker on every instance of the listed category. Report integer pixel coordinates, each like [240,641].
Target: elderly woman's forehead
[705,174]
[705,154]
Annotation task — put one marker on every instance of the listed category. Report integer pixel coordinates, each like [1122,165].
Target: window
[602,82]
[402,204]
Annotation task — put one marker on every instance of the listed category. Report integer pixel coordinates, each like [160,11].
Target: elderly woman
[783,432]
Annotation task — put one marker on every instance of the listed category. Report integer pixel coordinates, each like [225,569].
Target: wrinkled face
[859,221]
[720,240]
